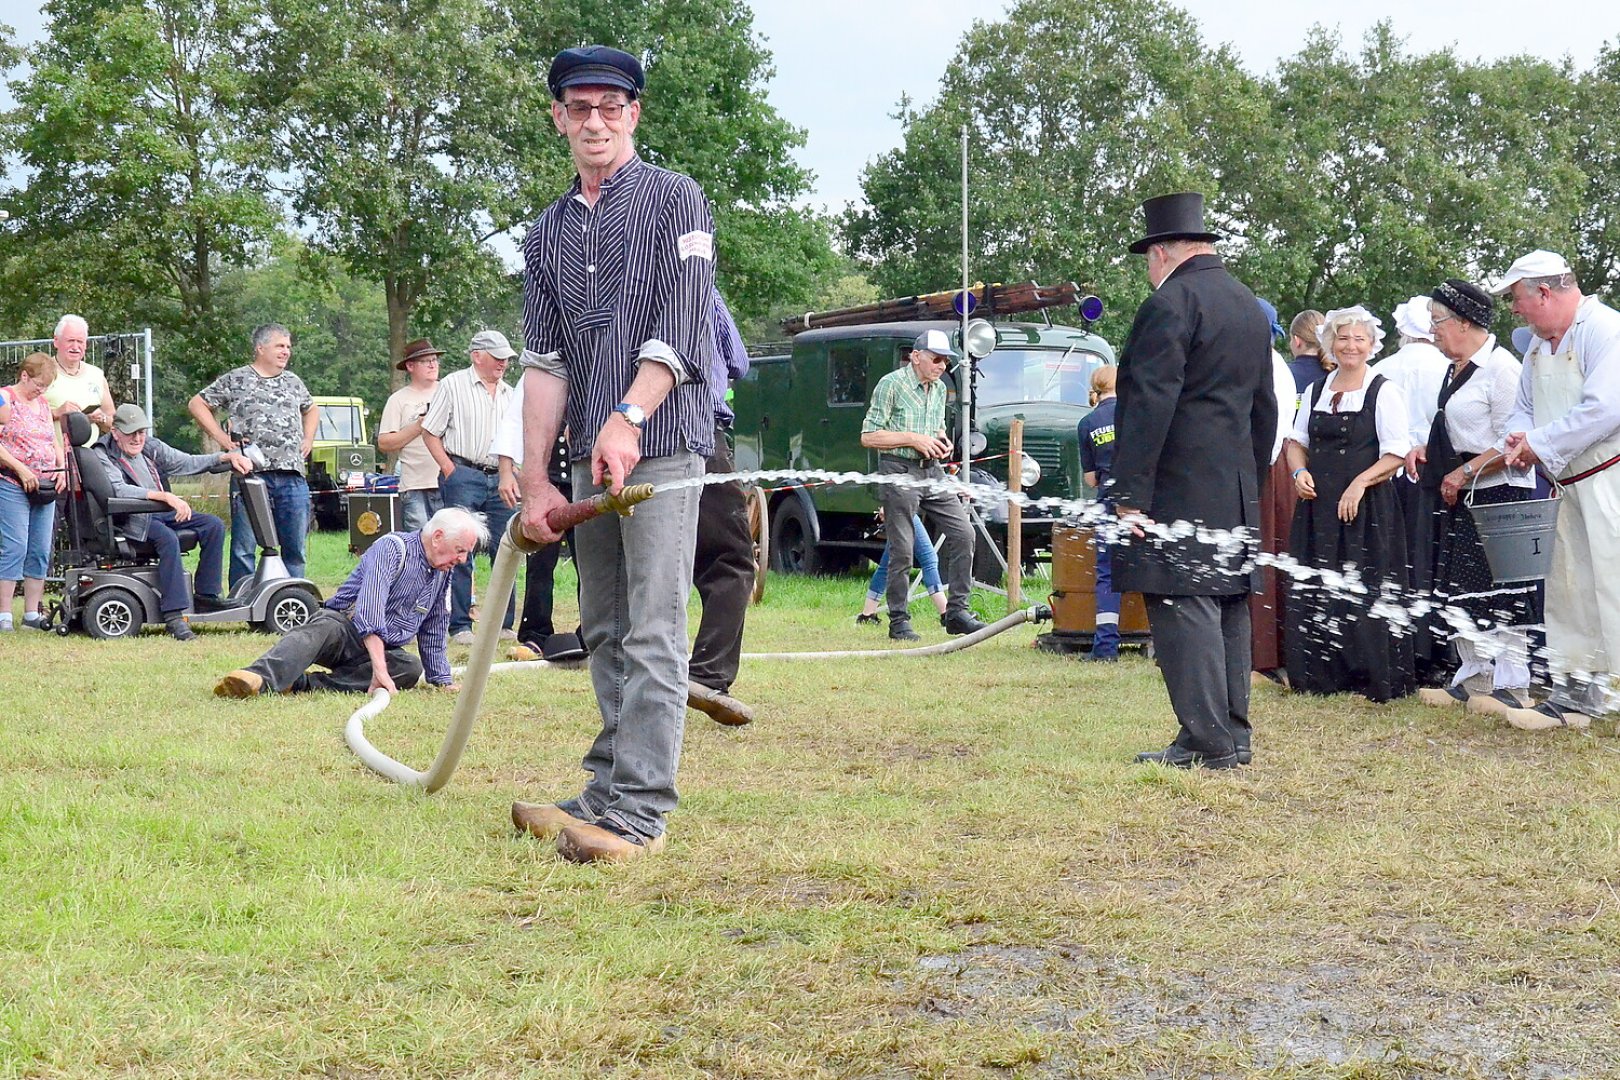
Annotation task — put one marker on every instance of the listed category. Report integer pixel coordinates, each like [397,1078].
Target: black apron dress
[1461,575]
[1334,644]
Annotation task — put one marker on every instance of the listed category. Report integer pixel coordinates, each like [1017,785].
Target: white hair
[1344,317]
[454,521]
[75,322]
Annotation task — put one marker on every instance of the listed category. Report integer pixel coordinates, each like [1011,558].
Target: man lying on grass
[395,593]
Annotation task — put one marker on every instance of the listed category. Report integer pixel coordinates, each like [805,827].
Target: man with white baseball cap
[905,423]
[1566,420]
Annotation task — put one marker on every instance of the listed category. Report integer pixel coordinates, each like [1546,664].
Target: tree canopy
[1340,178]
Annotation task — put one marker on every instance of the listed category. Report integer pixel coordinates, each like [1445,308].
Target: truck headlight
[1029,471]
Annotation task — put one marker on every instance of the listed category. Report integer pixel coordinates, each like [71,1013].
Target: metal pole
[964,380]
[149,375]
[1015,516]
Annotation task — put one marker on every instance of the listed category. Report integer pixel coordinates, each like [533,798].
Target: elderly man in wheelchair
[138,466]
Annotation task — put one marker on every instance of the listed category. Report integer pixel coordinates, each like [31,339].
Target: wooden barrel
[1074,587]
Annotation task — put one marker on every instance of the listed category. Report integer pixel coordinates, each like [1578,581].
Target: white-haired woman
[1350,437]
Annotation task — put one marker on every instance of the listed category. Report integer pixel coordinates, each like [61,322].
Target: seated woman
[1354,428]
[30,478]
[927,561]
[1492,670]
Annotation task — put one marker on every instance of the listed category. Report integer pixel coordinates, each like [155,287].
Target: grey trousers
[1203,648]
[635,574]
[330,640]
[939,508]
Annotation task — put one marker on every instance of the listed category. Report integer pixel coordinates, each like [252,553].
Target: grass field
[941,867]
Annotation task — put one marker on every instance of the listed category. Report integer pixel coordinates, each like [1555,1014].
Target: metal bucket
[1517,537]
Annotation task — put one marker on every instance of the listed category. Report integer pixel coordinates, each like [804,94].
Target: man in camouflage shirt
[272,408]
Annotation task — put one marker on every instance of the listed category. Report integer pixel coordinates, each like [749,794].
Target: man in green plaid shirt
[905,422]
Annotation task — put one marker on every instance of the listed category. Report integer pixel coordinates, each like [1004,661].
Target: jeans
[927,561]
[416,506]
[330,640]
[289,509]
[900,505]
[1105,640]
[162,532]
[25,534]
[635,574]
[477,491]
[723,571]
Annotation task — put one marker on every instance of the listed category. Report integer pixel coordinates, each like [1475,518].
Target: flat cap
[596,65]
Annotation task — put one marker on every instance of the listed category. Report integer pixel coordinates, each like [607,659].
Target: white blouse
[1477,414]
[1393,419]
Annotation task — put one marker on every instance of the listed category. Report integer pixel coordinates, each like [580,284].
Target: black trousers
[539,568]
[330,640]
[1202,645]
[723,571]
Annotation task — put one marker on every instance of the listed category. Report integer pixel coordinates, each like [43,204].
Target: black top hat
[1173,217]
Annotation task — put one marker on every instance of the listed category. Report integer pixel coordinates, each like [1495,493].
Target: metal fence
[125,358]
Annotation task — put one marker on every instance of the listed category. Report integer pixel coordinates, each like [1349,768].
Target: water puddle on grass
[1316,1016]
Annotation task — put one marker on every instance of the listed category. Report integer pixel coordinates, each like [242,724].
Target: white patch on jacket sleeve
[697,243]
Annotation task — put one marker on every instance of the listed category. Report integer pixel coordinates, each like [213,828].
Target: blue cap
[1269,310]
[596,65]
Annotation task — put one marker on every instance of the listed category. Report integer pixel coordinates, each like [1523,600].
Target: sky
[842,65]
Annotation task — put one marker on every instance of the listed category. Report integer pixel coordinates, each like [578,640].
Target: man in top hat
[401,433]
[618,332]
[1566,421]
[459,432]
[905,423]
[1194,425]
[138,465]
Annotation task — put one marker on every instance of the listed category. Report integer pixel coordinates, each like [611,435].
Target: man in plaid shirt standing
[905,423]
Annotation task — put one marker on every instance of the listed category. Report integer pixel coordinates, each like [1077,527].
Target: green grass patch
[912,867]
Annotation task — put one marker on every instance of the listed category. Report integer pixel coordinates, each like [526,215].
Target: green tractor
[339,460]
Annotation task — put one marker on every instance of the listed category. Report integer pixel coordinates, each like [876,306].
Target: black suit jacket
[1193,431]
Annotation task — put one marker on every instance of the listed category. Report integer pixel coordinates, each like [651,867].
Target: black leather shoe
[1179,758]
[1101,658]
[900,630]
[961,622]
[1245,756]
[203,602]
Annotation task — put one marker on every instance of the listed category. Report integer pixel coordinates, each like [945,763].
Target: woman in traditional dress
[1353,428]
[1462,463]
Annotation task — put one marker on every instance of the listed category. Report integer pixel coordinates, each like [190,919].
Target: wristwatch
[1468,470]
[634,415]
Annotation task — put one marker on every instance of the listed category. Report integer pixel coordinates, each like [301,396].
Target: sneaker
[462,637]
[900,630]
[1545,717]
[604,842]
[1498,702]
[6,625]
[1443,697]
[867,620]
[508,635]
[33,621]
[179,629]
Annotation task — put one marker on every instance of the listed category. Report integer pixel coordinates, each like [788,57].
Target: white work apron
[1583,590]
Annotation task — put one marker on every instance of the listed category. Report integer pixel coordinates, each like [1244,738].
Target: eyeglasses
[1438,319]
[580,111]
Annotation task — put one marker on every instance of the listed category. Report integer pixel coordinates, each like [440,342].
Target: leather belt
[489,470]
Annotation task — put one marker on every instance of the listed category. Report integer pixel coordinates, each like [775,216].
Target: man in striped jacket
[618,334]
[395,594]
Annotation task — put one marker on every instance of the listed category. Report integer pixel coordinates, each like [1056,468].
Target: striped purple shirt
[609,286]
[396,594]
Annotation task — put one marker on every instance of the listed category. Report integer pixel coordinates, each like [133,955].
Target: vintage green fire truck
[801,406]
